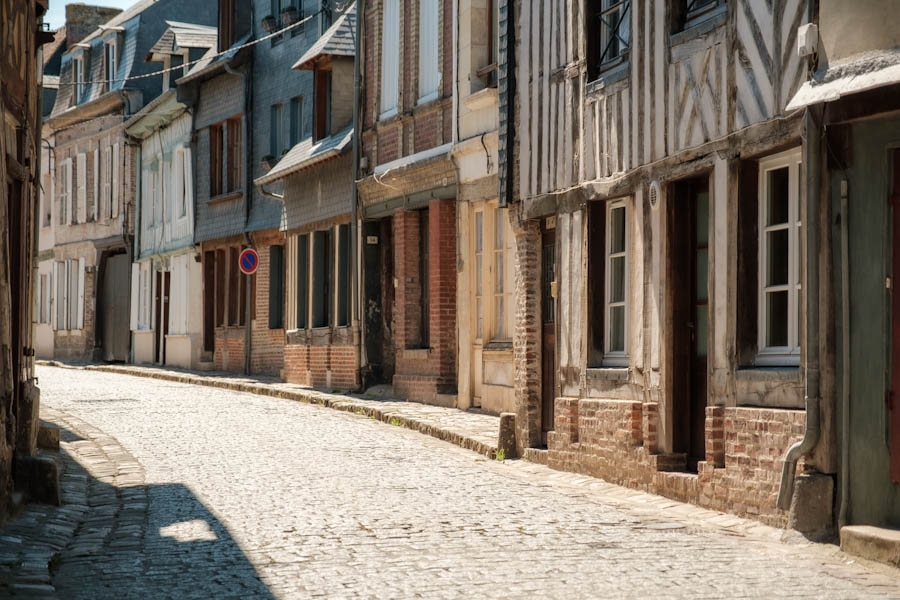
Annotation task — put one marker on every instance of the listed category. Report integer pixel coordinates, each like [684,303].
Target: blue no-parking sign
[248,261]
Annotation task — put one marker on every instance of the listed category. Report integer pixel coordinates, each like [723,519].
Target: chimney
[83,19]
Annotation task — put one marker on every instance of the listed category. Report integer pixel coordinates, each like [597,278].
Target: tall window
[234,154]
[479,275]
[608,33]
[321,278]
[616,284]
[216,156]
[390,58]
[296,120]
[501,284]
[424,276]
[276,287]
[343,276]
[69,301]
[779,259]
[429,71]
[78,67]
[65,193]
[182,191]
[276,145]
[110,60]
[81,191]
[322,107]
[106,183]
[697,11]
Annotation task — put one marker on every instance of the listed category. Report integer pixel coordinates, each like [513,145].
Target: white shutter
[114,210]
[80,308]
[81,201]
[390,57]
[188,184]
[429,71]
[54,292]
[135,294]
[95,207]
[64,284]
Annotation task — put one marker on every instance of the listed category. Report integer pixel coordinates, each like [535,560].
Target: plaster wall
[848,28]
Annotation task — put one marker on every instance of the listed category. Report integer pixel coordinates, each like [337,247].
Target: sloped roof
[59,38]
[339,40]
[857,73]
[184,35]
[308,153]
[211,63]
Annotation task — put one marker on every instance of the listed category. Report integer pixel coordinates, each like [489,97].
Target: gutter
[812,159]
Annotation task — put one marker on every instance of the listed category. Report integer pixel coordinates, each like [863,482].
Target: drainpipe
[356,280]
[245,131]
[845,358]
[812,160]
[262,190]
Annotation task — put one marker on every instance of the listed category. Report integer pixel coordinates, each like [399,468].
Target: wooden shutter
[276,287]
[343,276]
[81,201]
[114,209]
[95,210]
[429,71]
[79,315]
[390,57]
[54,292]
[188,183]
[106,204]
[135,293]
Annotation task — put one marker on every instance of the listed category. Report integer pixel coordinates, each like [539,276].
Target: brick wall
[425,368]
[527,334]
[326,358]
[79,344]
[615,440]
[267,345]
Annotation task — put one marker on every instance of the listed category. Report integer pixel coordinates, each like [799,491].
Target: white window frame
[106,184]
[111,61]
[615,358]
[65,196]
[478,271]
[500,274]
[429,51]
[78,76]
[389,99]
[606,32]
[780,355]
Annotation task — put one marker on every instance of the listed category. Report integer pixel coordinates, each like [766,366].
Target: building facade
[313,275]
[166,277]
[667,324]
[103,80]
[407,192]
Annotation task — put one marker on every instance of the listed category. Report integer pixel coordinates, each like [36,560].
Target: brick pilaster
[527,335]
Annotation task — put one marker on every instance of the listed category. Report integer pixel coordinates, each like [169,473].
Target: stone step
[874,543]
[206,366]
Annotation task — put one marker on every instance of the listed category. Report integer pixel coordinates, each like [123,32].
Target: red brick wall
[613,439]
[229,349]
[422,373]
[325,366]
[267,346]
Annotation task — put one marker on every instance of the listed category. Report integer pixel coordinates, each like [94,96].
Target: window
[322,107]
[142,302]
[95,190]
[65,193]
[276,287]
[234,154]
[81,196]
[693,12]
[276,145]
[105,183]
[502,281]
[296,130]
[157,195]
[234,273]
[390,58]
[343,276]
[321,279]
[182,192]
[429,71]
[220,287]
[78,67]
[616,267]
[44,299]
[114,210]
[327,16]
[216,156]
[608,34]
[69,301]
[479,274]
[110,63]
[301,287]
[779,260]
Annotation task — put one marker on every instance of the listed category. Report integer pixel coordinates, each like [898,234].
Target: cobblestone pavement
[208,493]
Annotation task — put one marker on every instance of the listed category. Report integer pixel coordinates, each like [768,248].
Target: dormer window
[78,76]
[110,62]
[322,106]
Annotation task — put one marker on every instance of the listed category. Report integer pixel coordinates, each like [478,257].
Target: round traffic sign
[248,261]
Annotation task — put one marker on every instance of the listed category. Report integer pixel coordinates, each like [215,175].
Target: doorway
[378,278]
[548,330]
[163,282]
[894,395]
[113,318]
[209,300]
[689,251]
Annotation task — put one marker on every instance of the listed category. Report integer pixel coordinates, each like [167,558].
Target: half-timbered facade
[664,312]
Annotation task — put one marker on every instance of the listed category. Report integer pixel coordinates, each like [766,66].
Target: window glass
[616,282]
[479,274]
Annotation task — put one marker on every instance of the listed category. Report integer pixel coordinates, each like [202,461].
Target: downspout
[812,160]
[356,281]
[245,148]
[355,286]
[845,358]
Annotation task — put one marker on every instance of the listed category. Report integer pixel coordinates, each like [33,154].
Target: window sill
[783,374]
[716,18]
[607,373]
[387,114]
[427,98]
[416,353]
[221,198]
[610,75]
[484,98]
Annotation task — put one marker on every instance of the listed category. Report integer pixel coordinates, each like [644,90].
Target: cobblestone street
[201,492]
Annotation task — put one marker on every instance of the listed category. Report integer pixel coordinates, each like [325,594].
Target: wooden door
[689,247]
[164,330]
[548,331]
[209,300]
[157,316]
[893,401]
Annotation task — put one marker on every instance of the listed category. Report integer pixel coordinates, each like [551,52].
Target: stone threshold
[874,543]
[472,431]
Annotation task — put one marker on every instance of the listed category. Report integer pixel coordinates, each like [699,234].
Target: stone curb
[332,401]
